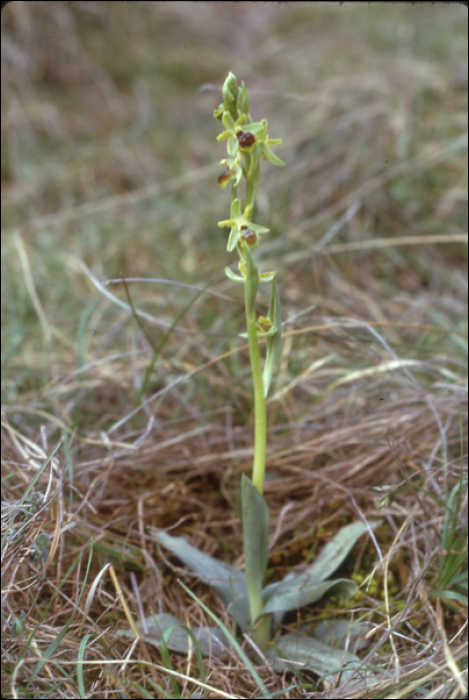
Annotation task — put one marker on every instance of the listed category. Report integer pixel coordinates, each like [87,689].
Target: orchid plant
[257,609]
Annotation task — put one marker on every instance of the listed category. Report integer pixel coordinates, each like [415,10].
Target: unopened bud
[230,94]
[243,99]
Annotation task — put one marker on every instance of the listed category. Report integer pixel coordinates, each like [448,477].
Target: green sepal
[267,154]
[233,276]
[233,239]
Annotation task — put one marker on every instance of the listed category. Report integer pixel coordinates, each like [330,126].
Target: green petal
[224,135]
[240,121]
[228,223]
[247,213]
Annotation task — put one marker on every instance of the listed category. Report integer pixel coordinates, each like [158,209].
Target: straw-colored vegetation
[127,404]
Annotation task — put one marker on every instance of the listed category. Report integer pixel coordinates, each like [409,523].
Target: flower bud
[230,94]
[243,99]
[264,324]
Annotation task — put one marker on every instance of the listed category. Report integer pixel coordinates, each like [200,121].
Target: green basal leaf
[311,585]
[314,656]
[179,637]
[255,519]
[226,581]
[335,551]
[304,590]
[340,633]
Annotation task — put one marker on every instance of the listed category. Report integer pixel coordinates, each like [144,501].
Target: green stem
[262,634]
[260,410]
[251,179]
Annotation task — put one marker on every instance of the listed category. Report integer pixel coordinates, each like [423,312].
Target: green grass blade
[233,641]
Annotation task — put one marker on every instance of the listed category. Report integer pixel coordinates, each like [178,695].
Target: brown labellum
[224,177]
[246,140]
[249,236]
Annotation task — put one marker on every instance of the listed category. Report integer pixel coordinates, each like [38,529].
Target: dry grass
[109,164]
